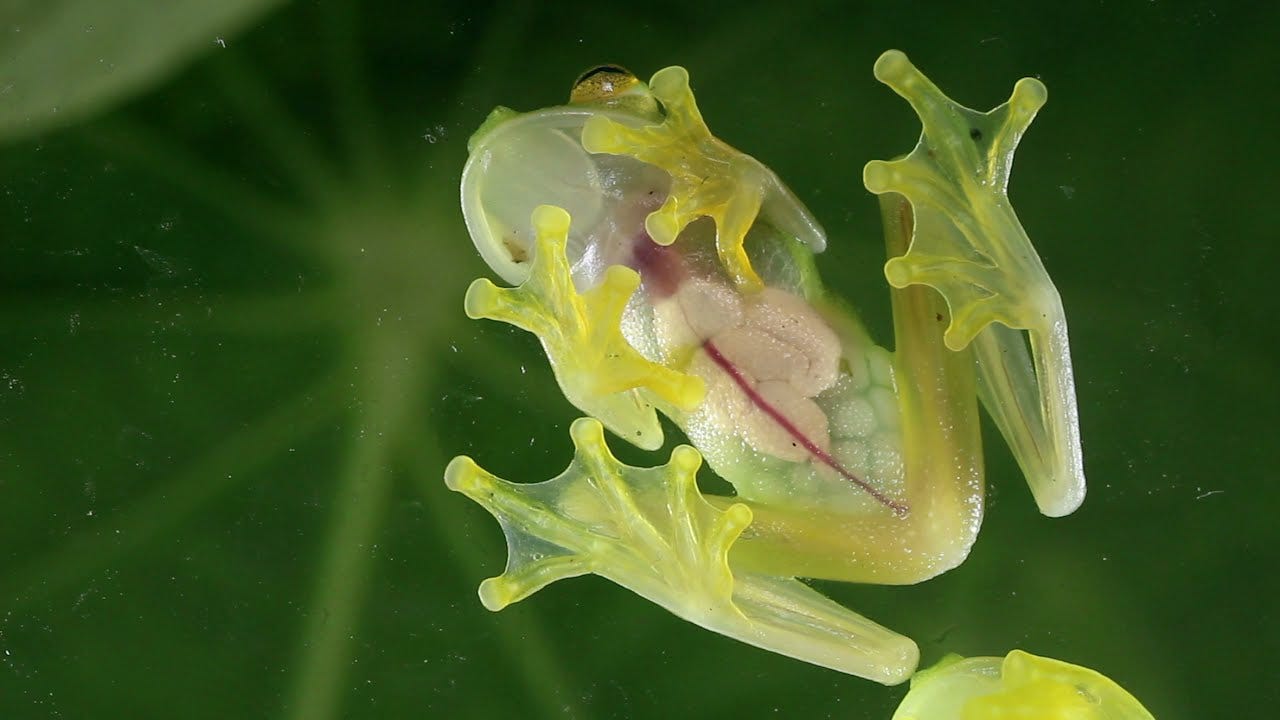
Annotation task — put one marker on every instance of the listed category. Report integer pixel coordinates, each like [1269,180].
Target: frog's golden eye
[602,84]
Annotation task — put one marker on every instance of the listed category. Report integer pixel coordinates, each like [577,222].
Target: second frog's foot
[1019,685]
[652,531]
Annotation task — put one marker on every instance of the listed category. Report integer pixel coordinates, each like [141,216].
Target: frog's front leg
[581,333]
[709,178]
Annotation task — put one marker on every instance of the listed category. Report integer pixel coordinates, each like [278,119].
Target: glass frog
[664,271]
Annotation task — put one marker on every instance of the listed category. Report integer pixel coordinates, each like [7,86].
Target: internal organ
[764,357]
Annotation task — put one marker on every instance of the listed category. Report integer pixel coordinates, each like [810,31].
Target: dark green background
[233,363]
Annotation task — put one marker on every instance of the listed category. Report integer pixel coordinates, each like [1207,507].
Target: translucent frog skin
[1019,685]
[664,271]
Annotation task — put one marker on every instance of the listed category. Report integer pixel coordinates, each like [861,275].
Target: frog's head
[519,161]
[615,86]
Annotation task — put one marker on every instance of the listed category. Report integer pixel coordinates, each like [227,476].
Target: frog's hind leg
[652,531]
[969,245]
[941,463]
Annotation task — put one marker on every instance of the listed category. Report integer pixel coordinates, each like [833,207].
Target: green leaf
[62,60]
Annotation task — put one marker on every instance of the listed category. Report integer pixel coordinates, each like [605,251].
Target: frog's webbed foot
[651,530]
[1018,685]
[598,370]
[708,177]
[969,245]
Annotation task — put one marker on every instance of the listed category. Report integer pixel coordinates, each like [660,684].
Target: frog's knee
[945,543]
